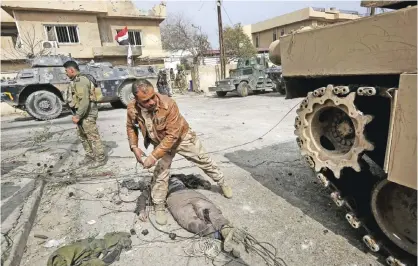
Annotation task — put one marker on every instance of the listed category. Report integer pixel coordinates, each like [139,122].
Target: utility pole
[221,39]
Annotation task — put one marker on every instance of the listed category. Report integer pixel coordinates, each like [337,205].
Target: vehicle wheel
[221,93]
[117,104]
[257,92]
[282,90]
[395,209]
[43,105]
[243,89]
[125,94]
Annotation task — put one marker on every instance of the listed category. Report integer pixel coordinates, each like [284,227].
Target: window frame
[68,33]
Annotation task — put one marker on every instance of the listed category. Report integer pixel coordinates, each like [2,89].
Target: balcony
[121,50]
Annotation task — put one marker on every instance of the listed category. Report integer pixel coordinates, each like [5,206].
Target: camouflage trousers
[90,138]
[192,149]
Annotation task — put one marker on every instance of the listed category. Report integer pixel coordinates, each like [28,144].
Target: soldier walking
[158,119]
[85,116]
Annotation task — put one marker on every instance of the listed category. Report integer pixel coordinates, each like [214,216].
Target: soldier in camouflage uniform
[162,84]
[182,81]
[85,116]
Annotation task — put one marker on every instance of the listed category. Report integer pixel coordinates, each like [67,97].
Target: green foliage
[237,43]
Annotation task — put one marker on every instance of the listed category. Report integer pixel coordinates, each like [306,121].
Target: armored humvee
[357,124]
[39,90]
[249,76]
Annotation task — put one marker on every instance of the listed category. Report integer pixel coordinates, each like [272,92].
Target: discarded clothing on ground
[133,185]
[92,252]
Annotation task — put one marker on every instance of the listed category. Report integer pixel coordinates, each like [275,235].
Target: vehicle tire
[43,105]
[118,104]
[282,90]
[125,93]
[242,89]
[221,93]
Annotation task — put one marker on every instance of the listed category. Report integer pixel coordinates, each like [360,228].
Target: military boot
[226,190]
[87,160]
[160,216]
[98,163]
[232,239]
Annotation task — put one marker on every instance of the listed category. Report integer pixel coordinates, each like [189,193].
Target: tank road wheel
[43,105]
[395,210]
[242,89]
[221,93]
[330,130]
[125,93]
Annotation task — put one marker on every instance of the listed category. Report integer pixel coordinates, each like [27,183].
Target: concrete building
[265,32]
[84,29]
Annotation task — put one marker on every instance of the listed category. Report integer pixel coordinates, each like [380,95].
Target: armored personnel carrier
[249,77]
[357,123]
[39,90]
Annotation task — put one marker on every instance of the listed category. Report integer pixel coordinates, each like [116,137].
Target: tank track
[373,238]
[360,218]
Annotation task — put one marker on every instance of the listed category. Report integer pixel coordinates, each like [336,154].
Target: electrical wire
[227,15]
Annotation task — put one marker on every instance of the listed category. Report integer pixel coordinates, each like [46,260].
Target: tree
[27,46]
[237,44]
[179,34]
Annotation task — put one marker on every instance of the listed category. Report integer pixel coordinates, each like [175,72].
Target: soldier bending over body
[160,122]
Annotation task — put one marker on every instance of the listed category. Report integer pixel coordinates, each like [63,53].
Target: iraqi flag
[122,37]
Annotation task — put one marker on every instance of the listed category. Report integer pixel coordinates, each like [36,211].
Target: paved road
[276,197]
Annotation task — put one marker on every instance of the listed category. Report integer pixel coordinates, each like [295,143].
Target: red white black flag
[122,37]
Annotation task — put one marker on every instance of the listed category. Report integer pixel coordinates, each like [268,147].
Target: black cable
[248,142]
[227,15]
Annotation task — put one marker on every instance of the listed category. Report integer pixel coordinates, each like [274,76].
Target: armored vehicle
[356,126]
[40,90]
[249,76]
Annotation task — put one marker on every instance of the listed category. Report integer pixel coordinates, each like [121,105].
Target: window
[282,32]
[274,35]
[62,34]
[257,41]
[134,37]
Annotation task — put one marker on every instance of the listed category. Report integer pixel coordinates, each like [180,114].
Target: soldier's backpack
[95,90]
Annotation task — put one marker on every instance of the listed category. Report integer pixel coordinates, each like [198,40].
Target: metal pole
[221,39]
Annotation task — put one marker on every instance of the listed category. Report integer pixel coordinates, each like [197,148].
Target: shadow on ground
[235,95]
[109,146]
[280,168]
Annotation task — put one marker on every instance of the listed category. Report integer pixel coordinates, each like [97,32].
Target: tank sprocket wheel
[331,130]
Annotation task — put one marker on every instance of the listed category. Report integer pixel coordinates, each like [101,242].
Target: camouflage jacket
[169,126]
[78,95]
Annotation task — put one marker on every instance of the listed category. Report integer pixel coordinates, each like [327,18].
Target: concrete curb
[29,212]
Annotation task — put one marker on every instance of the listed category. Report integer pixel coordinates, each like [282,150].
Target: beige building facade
[84,29]
[265,32]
